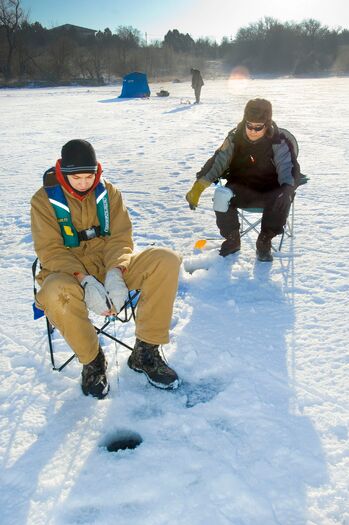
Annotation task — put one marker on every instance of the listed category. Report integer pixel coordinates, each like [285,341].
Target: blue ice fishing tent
[135,85]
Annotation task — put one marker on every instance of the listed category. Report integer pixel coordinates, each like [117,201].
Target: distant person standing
[196,83]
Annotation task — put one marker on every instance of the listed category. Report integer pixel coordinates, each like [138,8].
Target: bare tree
[61,53]
[11,18]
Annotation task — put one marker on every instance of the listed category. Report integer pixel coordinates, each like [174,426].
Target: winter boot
[94,380]
[146,358]
[263,246]
[231,244]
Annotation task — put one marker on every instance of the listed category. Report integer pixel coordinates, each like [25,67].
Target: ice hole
[122,440]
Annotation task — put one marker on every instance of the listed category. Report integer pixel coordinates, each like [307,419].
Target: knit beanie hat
[78,156]
[258,110]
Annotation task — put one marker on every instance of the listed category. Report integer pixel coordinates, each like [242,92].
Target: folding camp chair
[126,313]
[249,222]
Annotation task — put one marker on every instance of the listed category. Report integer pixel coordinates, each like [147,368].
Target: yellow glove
[193,195]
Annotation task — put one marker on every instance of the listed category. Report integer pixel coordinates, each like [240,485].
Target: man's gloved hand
[193,195]
[284,198]
[116,288]
[96,297]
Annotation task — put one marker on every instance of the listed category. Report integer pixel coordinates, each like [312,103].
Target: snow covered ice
[258,432]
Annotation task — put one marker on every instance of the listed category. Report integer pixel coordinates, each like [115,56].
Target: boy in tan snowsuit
[83,238]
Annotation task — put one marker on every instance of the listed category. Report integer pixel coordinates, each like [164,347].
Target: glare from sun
[238,77]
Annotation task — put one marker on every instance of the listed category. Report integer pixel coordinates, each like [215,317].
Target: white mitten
[116,288]
[96,297]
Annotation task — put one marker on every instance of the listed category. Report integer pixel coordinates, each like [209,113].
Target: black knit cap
[78,156]
[258,110]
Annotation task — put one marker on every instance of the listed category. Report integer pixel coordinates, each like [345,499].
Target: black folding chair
[127,312]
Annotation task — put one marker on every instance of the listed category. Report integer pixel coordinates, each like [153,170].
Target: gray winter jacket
[285,151]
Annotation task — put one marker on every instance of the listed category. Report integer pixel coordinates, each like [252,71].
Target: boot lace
[151,357]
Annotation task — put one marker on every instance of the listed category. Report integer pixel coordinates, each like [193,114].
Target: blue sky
[212,18]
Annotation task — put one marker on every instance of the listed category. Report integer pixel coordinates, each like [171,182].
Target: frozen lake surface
[258,432]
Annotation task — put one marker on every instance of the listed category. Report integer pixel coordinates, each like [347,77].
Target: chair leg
[288,228]
[281,241]
[287,231]
[50,330]
[123,316]
[251,225]
[110,336]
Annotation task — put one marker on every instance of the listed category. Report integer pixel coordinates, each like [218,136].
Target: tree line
[30,52]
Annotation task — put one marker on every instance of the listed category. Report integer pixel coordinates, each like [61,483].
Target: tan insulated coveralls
[154,271]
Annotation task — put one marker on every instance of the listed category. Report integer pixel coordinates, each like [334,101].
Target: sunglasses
[255,128]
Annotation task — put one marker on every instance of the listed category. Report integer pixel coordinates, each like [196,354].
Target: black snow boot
[94,380]
[146,358]
[263,247]
[231,245]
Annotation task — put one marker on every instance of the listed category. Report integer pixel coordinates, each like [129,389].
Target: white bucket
[221,198]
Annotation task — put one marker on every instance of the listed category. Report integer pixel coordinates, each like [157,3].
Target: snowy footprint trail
[257,434]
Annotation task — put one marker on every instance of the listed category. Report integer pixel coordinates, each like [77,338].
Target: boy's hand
[96,297]
[116,288]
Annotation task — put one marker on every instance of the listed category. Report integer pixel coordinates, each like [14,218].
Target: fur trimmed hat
[258,110]
[78,156]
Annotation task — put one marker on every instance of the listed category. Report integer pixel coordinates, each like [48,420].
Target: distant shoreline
[118,82]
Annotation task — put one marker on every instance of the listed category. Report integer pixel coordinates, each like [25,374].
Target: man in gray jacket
[259,162]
